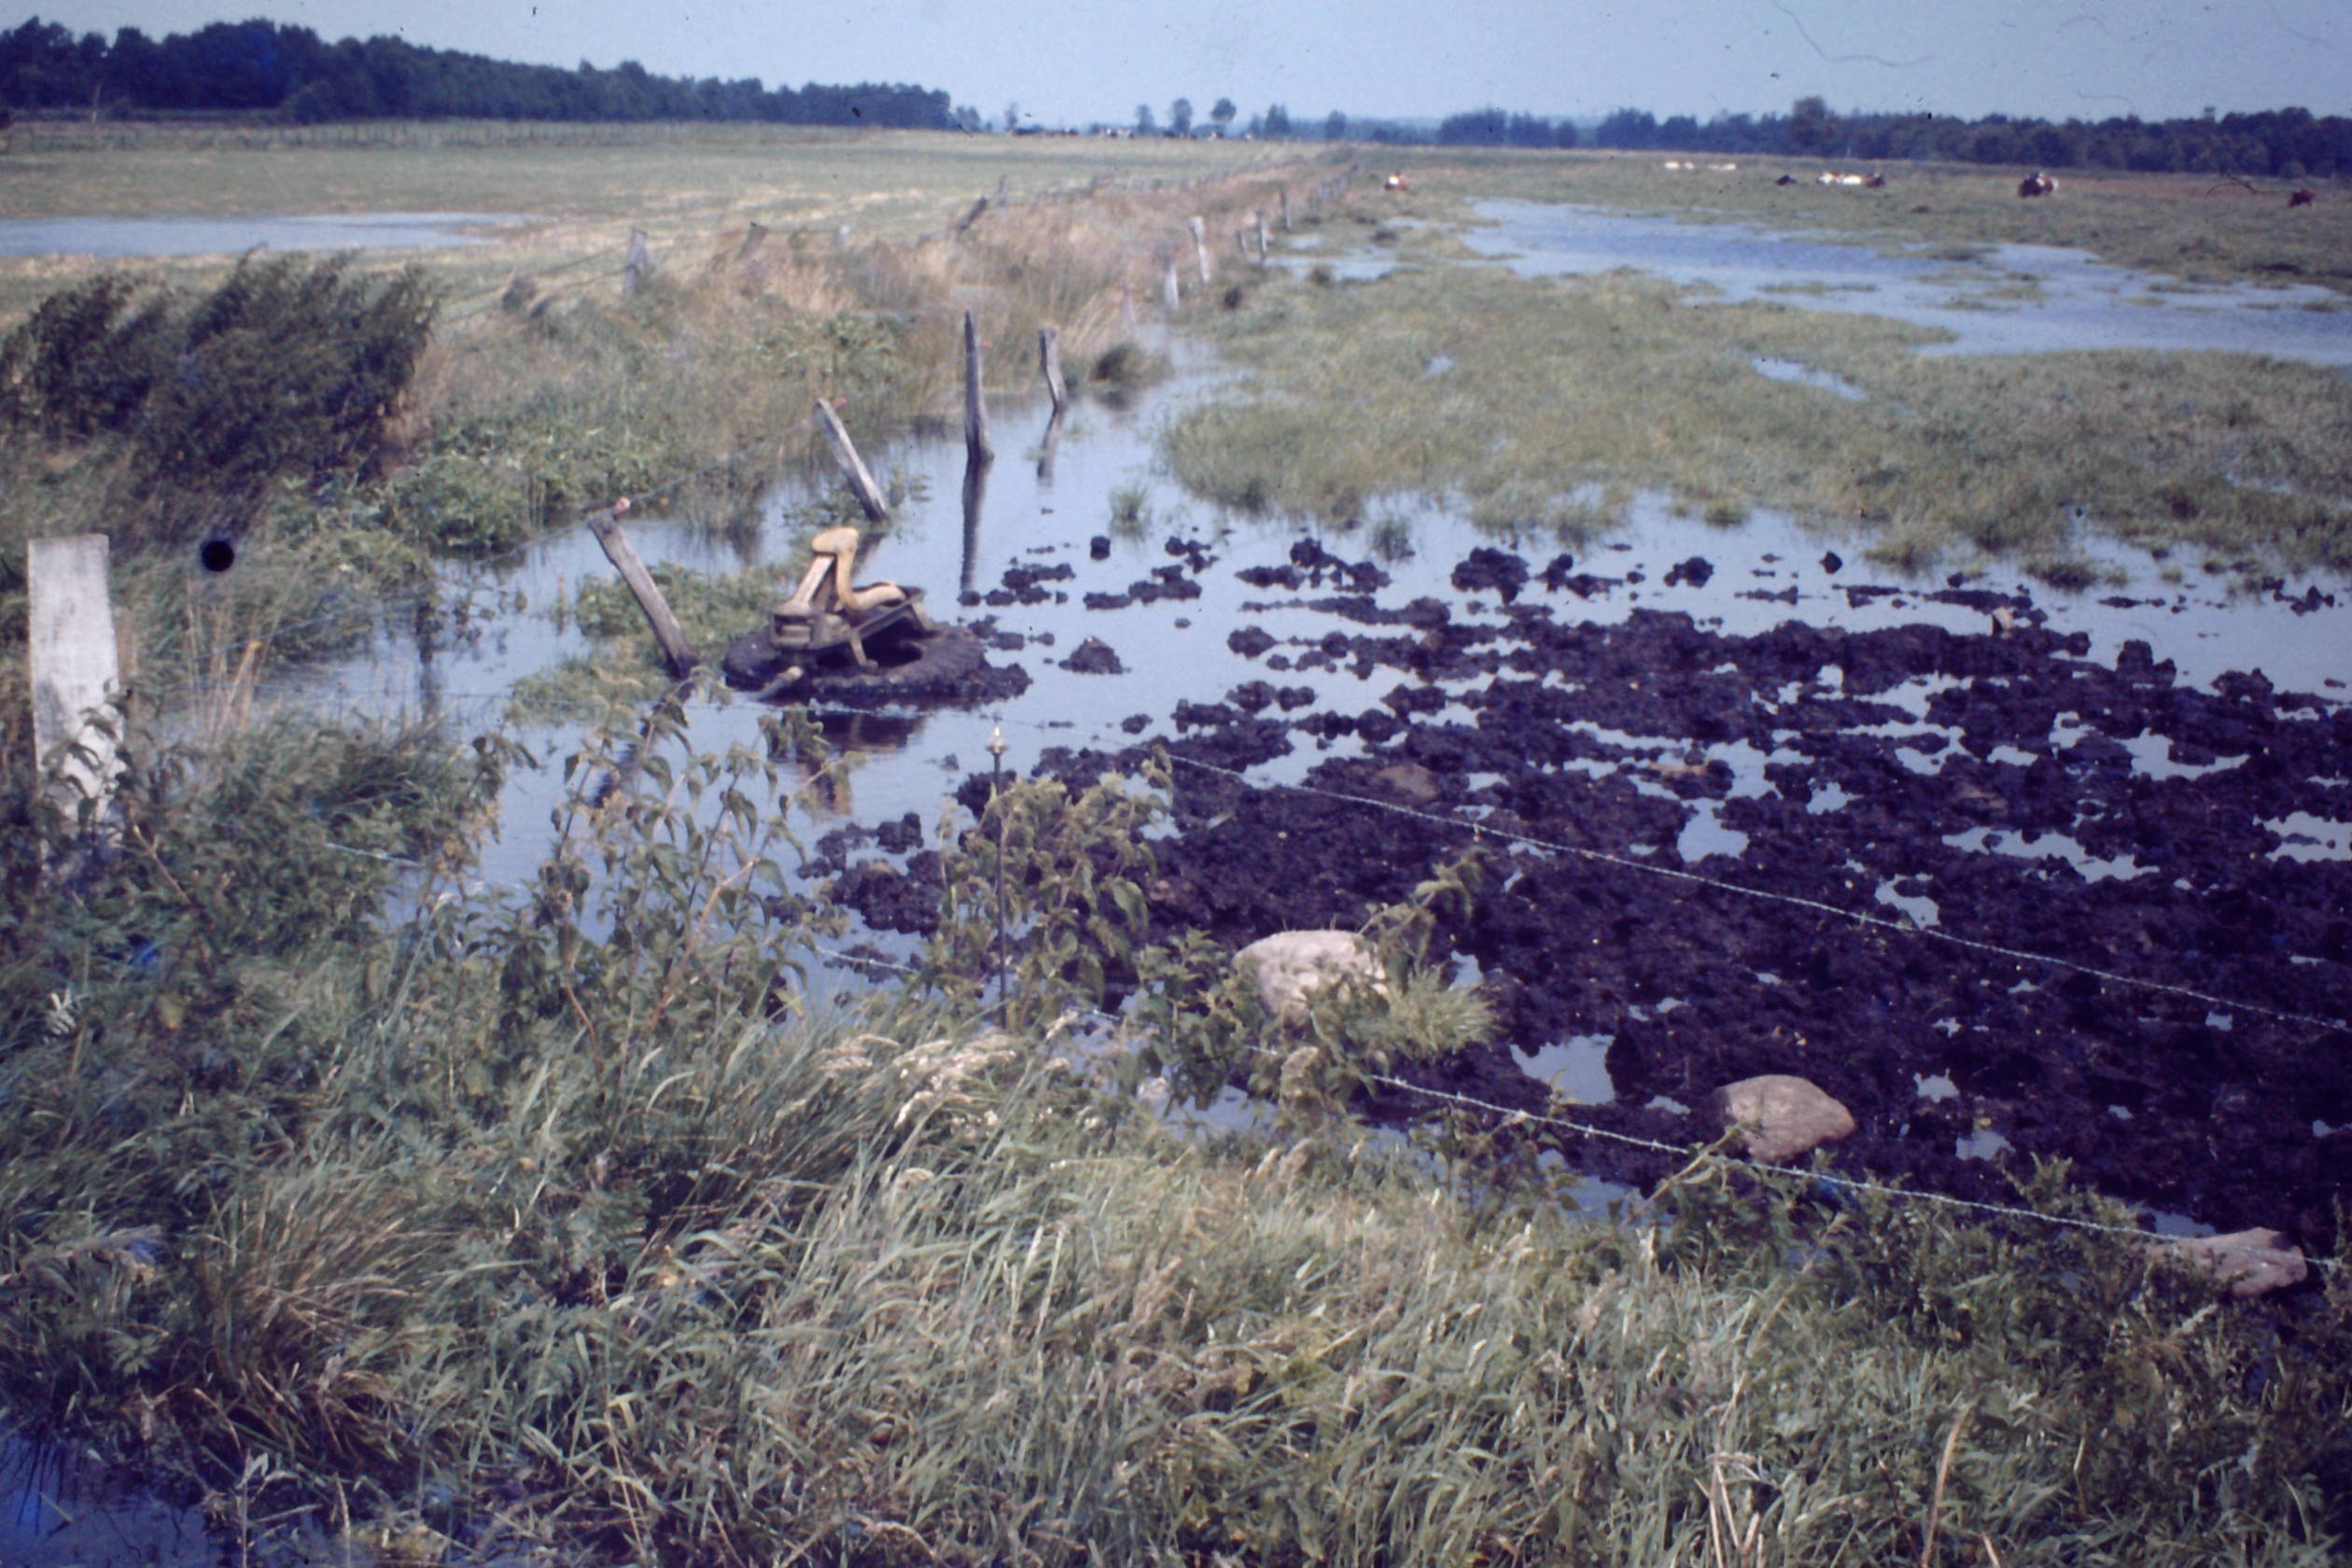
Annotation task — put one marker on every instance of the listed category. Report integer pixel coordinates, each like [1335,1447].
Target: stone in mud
[1411,780]
[1291,967]
[2249,1263]
[1784,1116]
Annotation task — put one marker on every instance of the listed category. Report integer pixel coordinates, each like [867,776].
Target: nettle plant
[1048,910]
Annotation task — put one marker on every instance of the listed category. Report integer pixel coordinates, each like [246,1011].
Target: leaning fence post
[676,650]
[1199,228]
[73,668]
[1049,362]
[852,467]
[641,264]
[977,449]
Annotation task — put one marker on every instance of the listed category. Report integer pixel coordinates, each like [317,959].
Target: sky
[1075,62]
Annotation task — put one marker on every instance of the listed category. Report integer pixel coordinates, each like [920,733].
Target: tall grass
[561,1220]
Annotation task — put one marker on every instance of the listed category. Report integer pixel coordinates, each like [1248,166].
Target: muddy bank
[2000,788]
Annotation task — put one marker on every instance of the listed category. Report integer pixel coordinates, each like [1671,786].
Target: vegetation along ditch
[588,1120]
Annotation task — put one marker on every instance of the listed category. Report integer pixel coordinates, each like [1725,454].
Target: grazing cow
[1395,182]
[1876,182]
[2037,184]
[1785,179]
[2303,198]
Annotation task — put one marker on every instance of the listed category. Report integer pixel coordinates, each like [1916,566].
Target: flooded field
[120,237]
[1993,299]
[2075,860]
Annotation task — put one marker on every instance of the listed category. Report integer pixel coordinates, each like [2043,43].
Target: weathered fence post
[641,264]
[973,214]
[676,650]
[1286,218]
[1049,362]
[852,467]
[1170,296]
[752,239]
[978,451]
[73,668]
[1199,227]
[1260,218]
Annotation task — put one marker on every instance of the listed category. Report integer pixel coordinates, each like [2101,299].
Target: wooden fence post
[676,650]
[1199,228]
[1286,218]
[978,452]
[752,239]
[1170,296]
[1260,218]
[1049,362]
[73,668]
[641,264]
[853,468]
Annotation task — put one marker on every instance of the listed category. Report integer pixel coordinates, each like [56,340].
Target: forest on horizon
[279,72]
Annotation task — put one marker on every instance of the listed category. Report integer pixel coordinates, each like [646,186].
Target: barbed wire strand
[1510,1116]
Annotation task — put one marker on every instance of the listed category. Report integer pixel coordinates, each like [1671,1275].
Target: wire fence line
[1504,1115]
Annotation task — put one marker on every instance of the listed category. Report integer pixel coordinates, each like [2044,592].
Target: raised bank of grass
[1543,404]
[555,1226]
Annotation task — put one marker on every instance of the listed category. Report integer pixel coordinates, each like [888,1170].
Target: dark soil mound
[2122,969]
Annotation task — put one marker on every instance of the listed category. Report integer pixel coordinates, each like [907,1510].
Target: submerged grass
[1552,387]
[559,1225]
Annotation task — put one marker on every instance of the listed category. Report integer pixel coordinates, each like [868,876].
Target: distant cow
[1875,182]
[2303,198]
[2037,184]
[1395,182]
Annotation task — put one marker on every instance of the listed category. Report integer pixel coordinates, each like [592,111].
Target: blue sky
[1075,61]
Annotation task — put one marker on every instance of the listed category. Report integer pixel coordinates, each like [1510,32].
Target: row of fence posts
[76,668]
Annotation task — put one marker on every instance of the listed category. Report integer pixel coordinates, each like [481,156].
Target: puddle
[233,236]
[56,1513]
[1806,376]
[2018,300]
[1577,1069]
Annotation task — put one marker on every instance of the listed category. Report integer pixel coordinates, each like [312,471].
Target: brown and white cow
[1395,182]
[2037,184]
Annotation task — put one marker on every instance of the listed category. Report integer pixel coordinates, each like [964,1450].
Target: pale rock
[1290,967]
[2247,1261]
[1782,1117]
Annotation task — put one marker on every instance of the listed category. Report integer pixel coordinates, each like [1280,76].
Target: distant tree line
[290,73]
[2283,144]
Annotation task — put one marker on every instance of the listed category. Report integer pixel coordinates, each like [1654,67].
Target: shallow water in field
[232,236]
[2012,299]
[1765,571]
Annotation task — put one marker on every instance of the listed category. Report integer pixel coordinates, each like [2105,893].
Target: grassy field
[689,191]
[1540,406]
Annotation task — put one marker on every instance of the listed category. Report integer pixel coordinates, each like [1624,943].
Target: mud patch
[2069,890]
